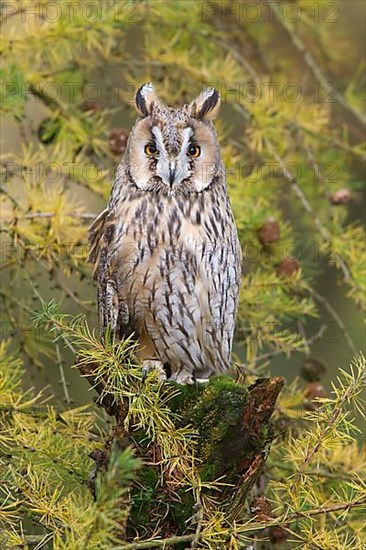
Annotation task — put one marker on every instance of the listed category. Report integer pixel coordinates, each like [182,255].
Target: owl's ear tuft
[206,105]
[144,99]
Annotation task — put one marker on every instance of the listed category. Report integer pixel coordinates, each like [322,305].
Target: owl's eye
[194,151]
[151,150]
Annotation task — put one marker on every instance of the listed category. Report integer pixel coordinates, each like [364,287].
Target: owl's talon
[156,365]
[145,371]
[198,381]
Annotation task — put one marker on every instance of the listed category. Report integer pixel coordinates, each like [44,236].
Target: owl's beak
[172,172]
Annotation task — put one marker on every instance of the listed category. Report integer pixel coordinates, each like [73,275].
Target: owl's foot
[186,378]
[156,365]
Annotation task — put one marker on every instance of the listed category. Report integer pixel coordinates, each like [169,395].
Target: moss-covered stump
[215,413]
[233,423]
[234,434]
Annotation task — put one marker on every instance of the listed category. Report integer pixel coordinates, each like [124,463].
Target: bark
[234,429]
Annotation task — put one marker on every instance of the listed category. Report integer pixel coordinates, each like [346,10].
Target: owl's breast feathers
[168,270]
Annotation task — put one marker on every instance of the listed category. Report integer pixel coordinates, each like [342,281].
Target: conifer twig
[282,522]
[64,286]
[73,296]
[312,161]
[42,302]
[328,509]
[333,141]
[36,539]
[199,517]
[82,215]
[6,296]
[156,543]
[62,374]
[316,473]
[313,65]
[12,199]
[306,205]
[308,342]
[336,318]
[333,419]
[285,171]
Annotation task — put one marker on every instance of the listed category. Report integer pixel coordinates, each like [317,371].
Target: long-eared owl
[166,250]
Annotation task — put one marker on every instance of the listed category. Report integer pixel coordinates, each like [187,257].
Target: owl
[166,252]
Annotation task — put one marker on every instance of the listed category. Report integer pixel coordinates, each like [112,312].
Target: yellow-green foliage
[317,472]
[44,468]
[285,160]
[281,148]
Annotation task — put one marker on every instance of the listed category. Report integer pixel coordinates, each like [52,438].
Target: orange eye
[194,151]
[151,150]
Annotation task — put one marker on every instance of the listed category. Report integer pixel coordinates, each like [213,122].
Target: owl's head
[174,151]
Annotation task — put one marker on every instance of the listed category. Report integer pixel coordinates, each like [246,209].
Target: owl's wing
[111,311]
[234,284]
[225,281]
[96,231]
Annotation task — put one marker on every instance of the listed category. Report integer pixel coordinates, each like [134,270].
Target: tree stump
[233,427]
[234,436]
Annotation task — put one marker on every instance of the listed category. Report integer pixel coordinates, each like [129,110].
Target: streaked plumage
[166,251]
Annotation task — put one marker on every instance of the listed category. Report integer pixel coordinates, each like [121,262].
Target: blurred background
[291,127]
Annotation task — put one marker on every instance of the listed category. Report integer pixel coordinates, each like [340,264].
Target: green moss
[186,398]
[214,410]
[182,509]
[226,445]
[189,396]
[143,497]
